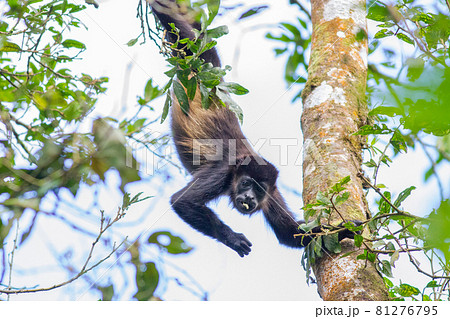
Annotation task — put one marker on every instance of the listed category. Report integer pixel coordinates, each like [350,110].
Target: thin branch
[84,268]
[11,260]
[335,208]
[376,189]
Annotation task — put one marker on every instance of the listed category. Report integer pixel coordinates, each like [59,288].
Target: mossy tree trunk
[334,107]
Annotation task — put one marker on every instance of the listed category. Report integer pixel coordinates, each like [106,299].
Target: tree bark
[334,107]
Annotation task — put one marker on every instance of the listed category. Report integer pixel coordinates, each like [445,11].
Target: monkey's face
[248,194]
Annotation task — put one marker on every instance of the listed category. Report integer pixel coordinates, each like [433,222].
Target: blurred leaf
[107,292]
[415,68]
[166,108]
[253,11]
[151,91]
[132,42]
[438,234]
[378,13]
[405,38]
[146,281]
[176,245]
[9,47]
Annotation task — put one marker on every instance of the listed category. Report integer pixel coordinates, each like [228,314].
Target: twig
[335,208]
[84,268]
[376,189]
[11,261]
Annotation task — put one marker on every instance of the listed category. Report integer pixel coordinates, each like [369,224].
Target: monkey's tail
[168,12]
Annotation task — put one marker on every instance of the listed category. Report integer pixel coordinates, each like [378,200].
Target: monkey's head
[252,182]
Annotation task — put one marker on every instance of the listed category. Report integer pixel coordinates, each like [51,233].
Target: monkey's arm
[190,204]
[283,222]
[285,226]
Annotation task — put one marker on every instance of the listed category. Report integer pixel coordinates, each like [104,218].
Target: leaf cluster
[190,74]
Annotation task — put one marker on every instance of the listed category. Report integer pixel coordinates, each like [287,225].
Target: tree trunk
[334,107]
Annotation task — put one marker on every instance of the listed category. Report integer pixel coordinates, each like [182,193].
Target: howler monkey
[214,150]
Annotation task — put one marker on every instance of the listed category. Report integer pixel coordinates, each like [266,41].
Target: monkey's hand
[239,243]
[349,233]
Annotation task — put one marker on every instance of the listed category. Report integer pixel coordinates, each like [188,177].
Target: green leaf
[358,240]
[213,9]
[331,243]
[404,38]
[339,186]
[209,79]
[383,33]
[390,111]
[146,281]
[253,11]
[308,226]
[415,68]
[293,29]
[386,268]
[132,42]
[395,256]
[225,98]
[403,195]
[204,92]
[23,203]
[181,96]
[432,284]
[322,198]
[217,32]
[166,108]
[406,290]
[373,129]
[438,233]
[383,206]
[107,292]
[70,43]
[9,47]
[233,88]
[378,13]
[176,245]
[151,91]
[171,73]
[341,198]
[191,87]
[318,246]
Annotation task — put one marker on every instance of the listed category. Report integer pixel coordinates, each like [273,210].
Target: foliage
[53,152]
[190,72]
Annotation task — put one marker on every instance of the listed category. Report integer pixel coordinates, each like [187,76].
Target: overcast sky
[270,272]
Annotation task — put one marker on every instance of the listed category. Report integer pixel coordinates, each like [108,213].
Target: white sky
[270,272]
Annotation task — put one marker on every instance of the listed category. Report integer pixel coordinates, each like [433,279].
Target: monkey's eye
[246,183]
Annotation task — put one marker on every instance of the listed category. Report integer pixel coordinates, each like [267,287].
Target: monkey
[236,170]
